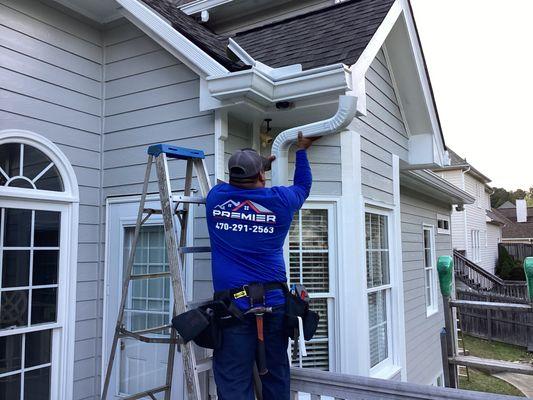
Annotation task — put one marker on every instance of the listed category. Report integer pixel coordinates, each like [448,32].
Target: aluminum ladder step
[150,276]
[194,249]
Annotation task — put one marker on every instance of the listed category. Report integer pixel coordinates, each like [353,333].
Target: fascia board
[255,84]
[201,5]
[423,180]
[168,37]
[360,68]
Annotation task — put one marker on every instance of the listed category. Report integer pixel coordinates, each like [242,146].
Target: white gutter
[280,148]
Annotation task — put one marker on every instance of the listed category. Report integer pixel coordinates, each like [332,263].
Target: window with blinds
[378,287]
[309,264]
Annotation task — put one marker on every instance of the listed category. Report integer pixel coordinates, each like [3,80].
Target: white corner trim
[200,5]
[353,318]
[398,268]
[362,64]
[221,135]
[168,37]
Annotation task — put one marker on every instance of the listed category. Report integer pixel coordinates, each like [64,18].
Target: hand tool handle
[261,354]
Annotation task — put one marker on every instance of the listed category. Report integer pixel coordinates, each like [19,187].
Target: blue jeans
[233,362]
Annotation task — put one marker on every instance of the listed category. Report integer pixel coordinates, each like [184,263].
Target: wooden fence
[512,327]
[519,251]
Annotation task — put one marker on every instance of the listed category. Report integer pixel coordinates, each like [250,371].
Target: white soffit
[101,11]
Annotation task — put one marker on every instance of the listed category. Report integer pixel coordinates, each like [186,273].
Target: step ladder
[175,223]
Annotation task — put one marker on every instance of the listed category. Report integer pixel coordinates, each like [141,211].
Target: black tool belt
[296,306]
[255,292]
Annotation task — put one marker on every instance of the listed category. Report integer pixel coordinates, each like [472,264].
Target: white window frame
[392,364]
[475,237]
[331,296]
[432,308]
[66,202]
[442,231]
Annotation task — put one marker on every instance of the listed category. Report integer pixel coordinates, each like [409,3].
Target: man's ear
[262,177]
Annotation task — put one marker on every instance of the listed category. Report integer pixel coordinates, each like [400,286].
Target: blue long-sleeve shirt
[248,227]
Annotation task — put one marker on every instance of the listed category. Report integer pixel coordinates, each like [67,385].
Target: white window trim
[330,204]
[391,366]
[62,372]
[475,238]
[434,308]
[442,231]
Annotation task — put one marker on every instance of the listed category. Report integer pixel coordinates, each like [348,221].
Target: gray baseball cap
[246,164]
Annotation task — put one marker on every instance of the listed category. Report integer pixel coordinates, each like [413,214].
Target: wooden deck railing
[314,383]
[477,278]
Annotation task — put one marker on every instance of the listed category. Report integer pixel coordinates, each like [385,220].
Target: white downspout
[280,148]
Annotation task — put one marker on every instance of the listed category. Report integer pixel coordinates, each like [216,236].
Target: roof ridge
[298,16]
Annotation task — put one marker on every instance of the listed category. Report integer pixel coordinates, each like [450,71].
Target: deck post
[445,270]
[528,270]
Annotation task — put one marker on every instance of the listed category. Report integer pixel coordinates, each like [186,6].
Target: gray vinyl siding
[382,131]
[421,332]
[50,84]
[151,97]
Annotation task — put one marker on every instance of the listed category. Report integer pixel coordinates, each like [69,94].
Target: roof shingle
[335,34]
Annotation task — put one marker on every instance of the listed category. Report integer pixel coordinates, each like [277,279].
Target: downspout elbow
[280,148]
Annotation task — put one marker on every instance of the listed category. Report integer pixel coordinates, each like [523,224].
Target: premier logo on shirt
[244,210]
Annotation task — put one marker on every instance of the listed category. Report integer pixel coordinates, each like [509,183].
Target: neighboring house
[519,227]
[476,231]
[87,86]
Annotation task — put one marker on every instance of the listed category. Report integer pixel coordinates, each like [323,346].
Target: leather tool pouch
[296,307]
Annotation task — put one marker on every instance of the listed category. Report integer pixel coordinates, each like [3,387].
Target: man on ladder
[248,224]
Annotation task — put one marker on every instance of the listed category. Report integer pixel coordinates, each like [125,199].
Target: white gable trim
[169,38]
[361,66]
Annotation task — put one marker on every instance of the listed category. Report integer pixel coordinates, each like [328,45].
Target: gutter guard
[280,148]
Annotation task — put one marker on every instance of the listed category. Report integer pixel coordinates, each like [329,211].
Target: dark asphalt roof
[213,44]
[456,161]
[331,35]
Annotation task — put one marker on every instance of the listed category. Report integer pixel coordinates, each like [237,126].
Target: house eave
[173,41]
[432,185]
[255,85]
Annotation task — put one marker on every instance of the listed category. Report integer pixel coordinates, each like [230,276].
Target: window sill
[443,232]
[386,371]
[431,311]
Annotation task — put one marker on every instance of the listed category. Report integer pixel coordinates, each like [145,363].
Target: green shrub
[508,268]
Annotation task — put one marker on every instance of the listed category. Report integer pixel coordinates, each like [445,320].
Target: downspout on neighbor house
[280,148]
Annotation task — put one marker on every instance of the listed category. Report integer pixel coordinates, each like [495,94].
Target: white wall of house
[470,230]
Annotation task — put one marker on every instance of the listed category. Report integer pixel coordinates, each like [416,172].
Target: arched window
[24,166]
[38,253]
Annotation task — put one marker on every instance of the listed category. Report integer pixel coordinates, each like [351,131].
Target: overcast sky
[479,55]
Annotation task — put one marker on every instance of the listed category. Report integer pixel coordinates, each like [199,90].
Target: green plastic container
[528,269]
[445,270]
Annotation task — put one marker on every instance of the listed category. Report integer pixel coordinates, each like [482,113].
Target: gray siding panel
[422,332]
[382,131]
[50,84]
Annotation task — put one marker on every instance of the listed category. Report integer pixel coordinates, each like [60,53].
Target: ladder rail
[167,206]
[126,282]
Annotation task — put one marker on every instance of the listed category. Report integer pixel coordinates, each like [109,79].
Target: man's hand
[304,143]
[268,162]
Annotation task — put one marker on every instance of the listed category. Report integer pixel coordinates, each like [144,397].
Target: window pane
[10,159]
[17,227]
[378,330]
[294,232]
[377,255]
[15,268]
[43,305]
[427,258]
[427,238]
[45,266]
[13,309]
[315,268]
[38,346]
[10,353]
[10,387]
[47,228]
[314,229]
[35,161]
[21,183]
[37,384]
[50,181]
[317,356]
